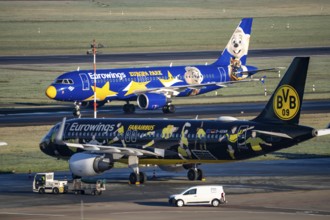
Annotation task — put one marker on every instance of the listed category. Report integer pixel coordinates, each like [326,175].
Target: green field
[68,27]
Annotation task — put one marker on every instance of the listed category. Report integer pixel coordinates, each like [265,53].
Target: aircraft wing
[127,151]
[177,89]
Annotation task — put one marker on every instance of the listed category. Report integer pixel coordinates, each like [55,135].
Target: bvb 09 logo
[286,102]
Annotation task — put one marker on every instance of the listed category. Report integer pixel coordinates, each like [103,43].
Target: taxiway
[286,189]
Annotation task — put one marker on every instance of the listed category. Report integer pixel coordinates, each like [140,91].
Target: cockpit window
[64,81]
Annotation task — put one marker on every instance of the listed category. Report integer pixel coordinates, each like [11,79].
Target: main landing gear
[129,108]
[76,111]
[168,108]
[136,177]
[195,174]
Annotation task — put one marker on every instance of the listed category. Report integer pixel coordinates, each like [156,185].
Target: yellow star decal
[135,86]
[170,80]
[102,93]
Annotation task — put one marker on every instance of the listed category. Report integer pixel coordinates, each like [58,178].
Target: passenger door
[84,81]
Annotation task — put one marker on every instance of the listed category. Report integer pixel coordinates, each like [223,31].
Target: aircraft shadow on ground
[151,203]
[297,156]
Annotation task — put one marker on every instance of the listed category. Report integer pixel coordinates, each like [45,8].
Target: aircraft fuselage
[187,141]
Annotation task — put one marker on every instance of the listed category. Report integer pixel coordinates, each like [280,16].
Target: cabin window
[64,81]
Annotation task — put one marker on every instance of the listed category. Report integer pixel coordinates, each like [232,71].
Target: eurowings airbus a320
[154,87]
[94,145]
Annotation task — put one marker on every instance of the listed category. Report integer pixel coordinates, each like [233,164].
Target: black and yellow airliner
[93,145]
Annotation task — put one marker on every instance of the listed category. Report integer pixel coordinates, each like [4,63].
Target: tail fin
[285,104]
[238,45]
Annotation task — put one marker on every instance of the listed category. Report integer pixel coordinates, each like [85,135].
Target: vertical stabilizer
[237,48]
[285,104]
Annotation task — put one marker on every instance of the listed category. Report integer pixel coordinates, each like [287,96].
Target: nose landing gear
[76,111]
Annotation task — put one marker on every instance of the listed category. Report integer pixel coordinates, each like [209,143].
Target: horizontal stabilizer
[251,72]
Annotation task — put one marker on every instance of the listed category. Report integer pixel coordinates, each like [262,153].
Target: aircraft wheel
[76,113]
[168,109]
[192,174]
[200,174]
[171,108]
[133,178]
[143,177]
[125,108]
[129,108]
[165,109]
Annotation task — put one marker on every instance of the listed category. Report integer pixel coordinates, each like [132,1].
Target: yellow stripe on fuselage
[175,161]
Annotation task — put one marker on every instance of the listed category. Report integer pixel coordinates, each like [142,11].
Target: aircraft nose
[51,92]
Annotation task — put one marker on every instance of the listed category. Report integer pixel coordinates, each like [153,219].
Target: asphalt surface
[286,189]
[134,57]
[51,115]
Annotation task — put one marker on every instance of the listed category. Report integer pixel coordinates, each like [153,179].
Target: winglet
[59,135]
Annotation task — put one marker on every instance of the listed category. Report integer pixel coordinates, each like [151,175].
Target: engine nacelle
[150,101]
[84,164]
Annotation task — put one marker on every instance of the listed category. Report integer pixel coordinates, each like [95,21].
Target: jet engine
[150,101]
[84,164]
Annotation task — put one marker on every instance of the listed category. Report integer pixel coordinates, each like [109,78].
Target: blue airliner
[153,87]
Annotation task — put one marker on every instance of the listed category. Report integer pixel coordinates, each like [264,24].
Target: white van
[199,195]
